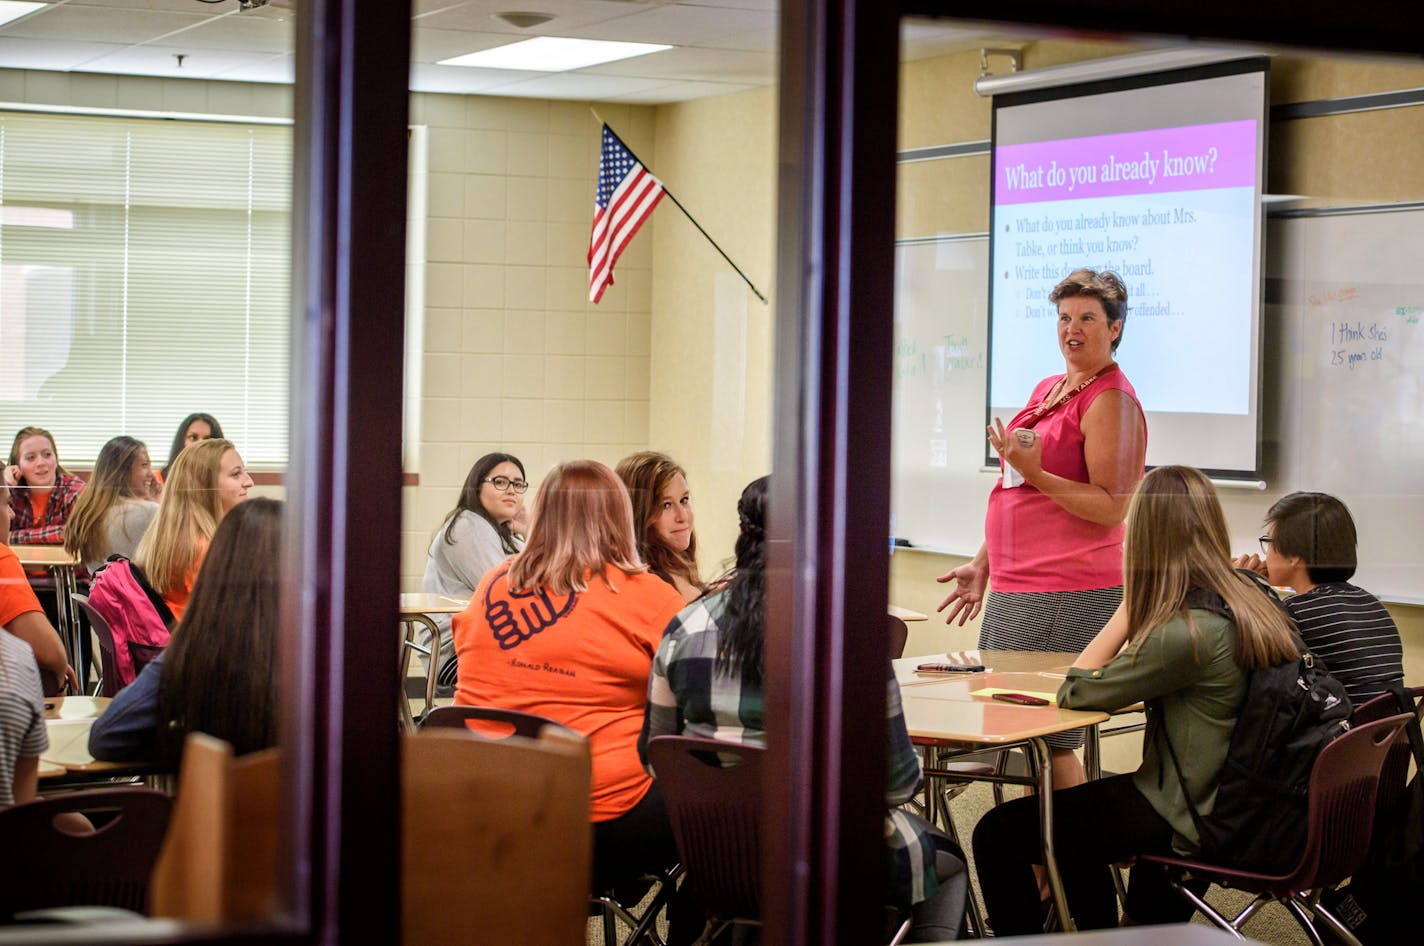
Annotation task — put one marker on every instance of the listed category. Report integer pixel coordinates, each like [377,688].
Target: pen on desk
[950,668]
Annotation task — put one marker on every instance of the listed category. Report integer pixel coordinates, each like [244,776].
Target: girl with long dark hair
[486,526]
[116,507]
[707,682]
[218,676]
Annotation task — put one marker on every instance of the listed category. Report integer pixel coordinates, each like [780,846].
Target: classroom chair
[493,723]
[713,794]
[496,845]
[1344,785]
[219,860]
[46,866]
[897,633]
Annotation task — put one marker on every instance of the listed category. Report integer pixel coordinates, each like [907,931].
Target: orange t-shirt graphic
[580,659]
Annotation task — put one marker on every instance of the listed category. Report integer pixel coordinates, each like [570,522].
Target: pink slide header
[1193,157]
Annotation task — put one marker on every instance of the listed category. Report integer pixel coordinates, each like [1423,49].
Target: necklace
[1049,403]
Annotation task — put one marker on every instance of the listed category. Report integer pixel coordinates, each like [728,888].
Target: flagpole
[684,210]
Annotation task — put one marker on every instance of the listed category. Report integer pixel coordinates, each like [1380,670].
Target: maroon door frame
[828,579]
[344,480]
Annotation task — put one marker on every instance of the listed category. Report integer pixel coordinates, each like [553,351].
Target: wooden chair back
[219,861]
[496,844]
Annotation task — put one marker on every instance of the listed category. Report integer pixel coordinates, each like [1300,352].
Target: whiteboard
[1343,379]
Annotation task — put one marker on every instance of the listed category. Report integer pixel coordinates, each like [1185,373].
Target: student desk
[941,710]
[69,719]
[416,609]
[906,615]
[61,566]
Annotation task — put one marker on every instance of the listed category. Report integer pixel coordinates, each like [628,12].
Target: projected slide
[1158,178]
[1161,208]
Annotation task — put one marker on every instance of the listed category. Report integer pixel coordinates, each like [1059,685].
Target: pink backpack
[138,619]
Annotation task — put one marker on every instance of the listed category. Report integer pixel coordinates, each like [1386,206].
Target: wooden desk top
[905,614]
[941,708]
[996,661]
[980,721]
[75,707]
[68,720]
[419,602]
[45,555]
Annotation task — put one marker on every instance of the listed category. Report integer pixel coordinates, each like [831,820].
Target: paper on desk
[1052,698]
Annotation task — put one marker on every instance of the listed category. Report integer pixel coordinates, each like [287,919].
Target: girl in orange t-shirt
[205,481]
[567,630]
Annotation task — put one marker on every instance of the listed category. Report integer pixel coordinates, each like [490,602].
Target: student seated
[566,630]
[116,507]
[485,528]
[193,428]
[218,674]
[1191,663]
[1309,546]
[662,515]
[204,484]
[42,493]
[20,613]
[707,682]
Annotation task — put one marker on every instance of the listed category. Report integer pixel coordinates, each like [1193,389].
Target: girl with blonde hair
[205,482]
[662,516]
[567,630]
[1188,662]
[117,505]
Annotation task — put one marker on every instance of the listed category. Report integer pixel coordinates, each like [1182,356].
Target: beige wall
[515,357]
[711,337]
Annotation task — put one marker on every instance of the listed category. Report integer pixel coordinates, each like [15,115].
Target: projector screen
[1159,178]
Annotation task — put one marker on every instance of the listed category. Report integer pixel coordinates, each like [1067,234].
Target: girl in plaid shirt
[41,492]
[707,682]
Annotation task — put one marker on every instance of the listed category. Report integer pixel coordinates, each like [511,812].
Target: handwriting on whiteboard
[1358,343]
[1334,295]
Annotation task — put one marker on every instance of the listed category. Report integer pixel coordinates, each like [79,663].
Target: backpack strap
[1177,767]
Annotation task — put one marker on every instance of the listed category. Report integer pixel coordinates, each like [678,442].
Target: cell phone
[1022,699]
[950,668]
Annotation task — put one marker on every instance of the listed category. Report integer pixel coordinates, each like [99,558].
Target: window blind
[144,272]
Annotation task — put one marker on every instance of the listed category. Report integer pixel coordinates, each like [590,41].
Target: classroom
[503,352]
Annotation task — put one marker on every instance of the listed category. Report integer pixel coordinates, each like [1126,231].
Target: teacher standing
[1069,462]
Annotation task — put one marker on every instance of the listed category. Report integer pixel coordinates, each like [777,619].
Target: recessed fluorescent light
[13,9]
[553,54]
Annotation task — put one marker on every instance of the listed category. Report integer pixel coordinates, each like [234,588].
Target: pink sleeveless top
[1034,544]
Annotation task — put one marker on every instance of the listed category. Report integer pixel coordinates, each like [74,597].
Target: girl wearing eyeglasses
[486,526]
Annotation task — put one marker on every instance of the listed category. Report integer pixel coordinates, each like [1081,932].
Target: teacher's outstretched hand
[966,599]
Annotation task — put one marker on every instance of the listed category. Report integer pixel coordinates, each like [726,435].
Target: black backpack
[1288,714]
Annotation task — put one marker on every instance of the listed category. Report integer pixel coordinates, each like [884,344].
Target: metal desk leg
[407,640]
[1041,758]
[69,625]
[434,666]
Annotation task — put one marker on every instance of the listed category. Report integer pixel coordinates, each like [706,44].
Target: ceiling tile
[725,65]
[682,25]
[42,54]
[161,61]
[112,25]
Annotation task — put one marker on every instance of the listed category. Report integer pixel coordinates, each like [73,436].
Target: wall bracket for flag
[684,210]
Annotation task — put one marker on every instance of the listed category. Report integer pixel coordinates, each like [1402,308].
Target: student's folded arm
[34,629]
[128,730]
[1162,661]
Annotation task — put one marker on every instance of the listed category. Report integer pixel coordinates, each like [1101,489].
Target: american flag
[626,195]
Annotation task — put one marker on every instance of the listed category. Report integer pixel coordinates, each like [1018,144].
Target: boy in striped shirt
[1309,546]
